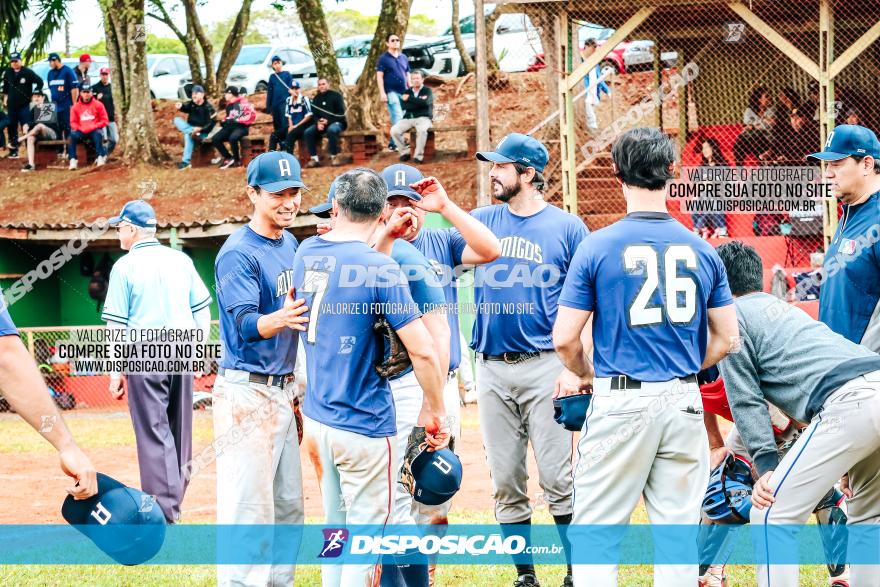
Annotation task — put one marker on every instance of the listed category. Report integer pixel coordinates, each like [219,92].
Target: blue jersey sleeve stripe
[204,303]
[107,316]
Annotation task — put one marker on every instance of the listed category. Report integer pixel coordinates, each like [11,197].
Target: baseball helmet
[435,476]
[728,498]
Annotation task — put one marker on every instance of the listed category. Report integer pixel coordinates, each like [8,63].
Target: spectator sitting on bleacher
[759,116]
[87,119]
[801,141]
[297,116]
[788,100]
[714,224]
[43,125]
[328,108]
[418,112]
[238,116]
[198,124]
[104,92]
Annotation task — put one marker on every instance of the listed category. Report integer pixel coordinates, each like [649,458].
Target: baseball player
[23,387]
[154,286]
[428,295]
[830,510]
[661,308]
[259,480]
[516,298]
[850,300]
[813,375]
[351,415]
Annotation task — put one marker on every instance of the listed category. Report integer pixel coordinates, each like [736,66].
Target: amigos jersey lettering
[648,281]
[254,274]
[347,286]
[516,294]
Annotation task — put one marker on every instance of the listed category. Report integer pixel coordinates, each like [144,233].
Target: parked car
[351,54]
[41,68]
[253,66]
[165,70]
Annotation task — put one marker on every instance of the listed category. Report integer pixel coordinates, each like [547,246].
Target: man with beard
[516,299]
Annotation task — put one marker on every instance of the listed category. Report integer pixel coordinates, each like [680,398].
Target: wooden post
[565,59]
[482,81]
[826,99]
[682,103]
[658,80]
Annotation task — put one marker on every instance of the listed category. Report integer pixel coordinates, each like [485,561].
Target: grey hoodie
[789,360]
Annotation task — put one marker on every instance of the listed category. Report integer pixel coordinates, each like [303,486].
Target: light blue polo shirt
[154,286]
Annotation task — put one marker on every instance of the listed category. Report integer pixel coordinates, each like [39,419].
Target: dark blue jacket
[279,83]
[850,291]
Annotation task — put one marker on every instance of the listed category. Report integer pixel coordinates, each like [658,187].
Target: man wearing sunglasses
[392,72]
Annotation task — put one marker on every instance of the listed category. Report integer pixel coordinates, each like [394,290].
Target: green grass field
[110,430]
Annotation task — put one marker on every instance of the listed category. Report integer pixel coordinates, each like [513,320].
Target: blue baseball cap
[136,212]
[275,171]
[294,84]
[14,56]
[518,148]
[125,523]
[277,58]
[322,210]
[53,57]
[197,88]
[436,475]
[398,178]
[849,140]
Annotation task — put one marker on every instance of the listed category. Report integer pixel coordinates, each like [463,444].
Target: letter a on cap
[400,177]
[284,167]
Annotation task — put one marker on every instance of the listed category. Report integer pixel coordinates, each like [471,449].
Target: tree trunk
[543,20]
[126,48]
[466,60]
[365,111]
[195,32]
[234,41]
[314,23]
[188,39]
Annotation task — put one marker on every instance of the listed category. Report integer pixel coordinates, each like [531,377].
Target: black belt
[269,380]
[509,358]
[619,382]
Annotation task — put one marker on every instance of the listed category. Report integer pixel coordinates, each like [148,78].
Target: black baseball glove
[396,359]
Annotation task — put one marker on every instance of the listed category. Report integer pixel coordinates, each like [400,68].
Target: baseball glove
[396,359]
[297,413]
[414,445]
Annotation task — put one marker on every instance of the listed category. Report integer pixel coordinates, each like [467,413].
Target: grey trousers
[161,413]
[516,406]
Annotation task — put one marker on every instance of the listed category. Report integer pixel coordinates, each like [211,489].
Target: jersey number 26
[645,258]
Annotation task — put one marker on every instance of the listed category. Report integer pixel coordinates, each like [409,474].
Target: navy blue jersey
[348,286]
[424,283]
[443,248]
[516,294]
[254,275]
[849,301]
[61,82]
[649,281]
[6,325]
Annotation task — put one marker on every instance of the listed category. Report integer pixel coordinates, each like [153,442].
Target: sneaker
[12,154]
[227,164]
[470,397]
[392,146]
[720,232]
[334,160]
[27,168]
[568,581]
[72,164]
[714,577]
[216,160]
[404,156]
[183,165]
[418,160]
[100,161]
[527,580]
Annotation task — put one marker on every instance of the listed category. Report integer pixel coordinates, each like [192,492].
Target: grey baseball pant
[422,126]
[161,414]
[516,405]
[843,437]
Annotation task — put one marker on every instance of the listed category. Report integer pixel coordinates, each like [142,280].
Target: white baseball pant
[259,480]
[647,442]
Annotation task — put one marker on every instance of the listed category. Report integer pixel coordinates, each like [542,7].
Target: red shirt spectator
[88,116]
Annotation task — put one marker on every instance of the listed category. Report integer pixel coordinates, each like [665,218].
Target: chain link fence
[75,388]
[753,84]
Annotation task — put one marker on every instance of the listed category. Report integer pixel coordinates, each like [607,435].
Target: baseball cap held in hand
[125,523]
[518,148]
